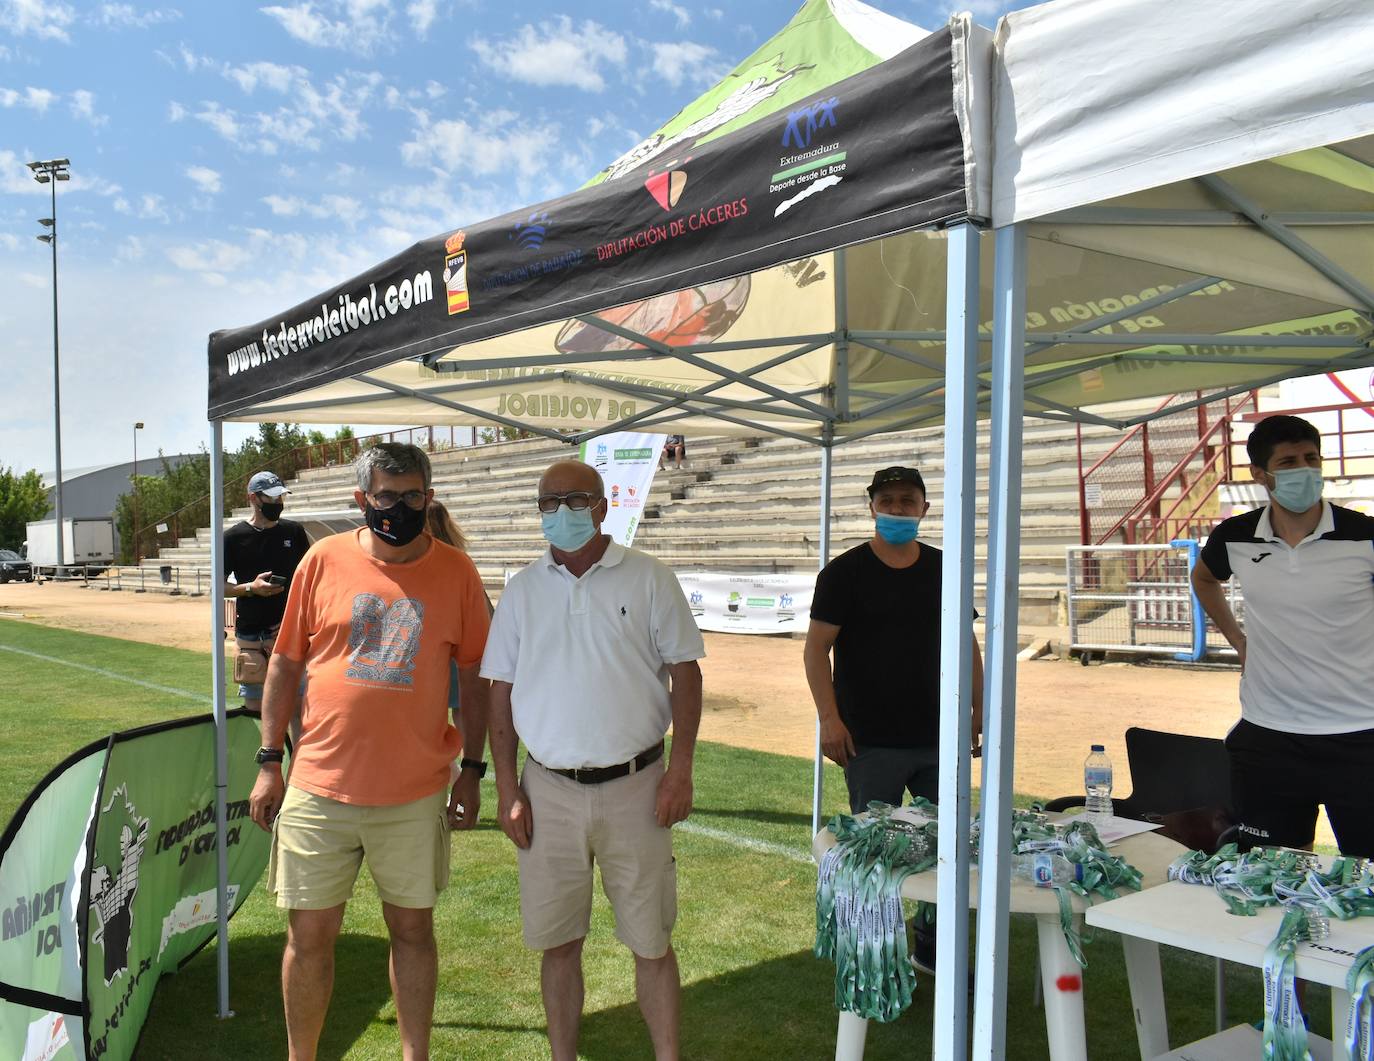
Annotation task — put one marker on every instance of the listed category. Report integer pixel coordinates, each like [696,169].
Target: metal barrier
[1139,599]
[174,581]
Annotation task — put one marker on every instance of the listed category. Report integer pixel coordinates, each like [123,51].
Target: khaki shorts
[318,845]
[612,825]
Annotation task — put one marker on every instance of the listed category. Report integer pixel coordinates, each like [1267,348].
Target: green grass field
[752,988]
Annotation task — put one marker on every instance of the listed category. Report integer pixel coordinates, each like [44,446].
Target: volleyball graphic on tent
[679,318]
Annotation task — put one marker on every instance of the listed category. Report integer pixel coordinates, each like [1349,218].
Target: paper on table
[1113,829]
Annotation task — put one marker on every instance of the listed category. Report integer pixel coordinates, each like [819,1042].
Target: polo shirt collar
[1265,528]
[610,558]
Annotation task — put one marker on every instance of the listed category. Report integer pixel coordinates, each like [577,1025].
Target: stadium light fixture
[49,172]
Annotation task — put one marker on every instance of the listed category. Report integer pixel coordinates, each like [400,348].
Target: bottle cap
[1099,747]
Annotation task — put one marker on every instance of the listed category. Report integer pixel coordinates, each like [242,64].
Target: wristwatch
[269,755]
[474,764]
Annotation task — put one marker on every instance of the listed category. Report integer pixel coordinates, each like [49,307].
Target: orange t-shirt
[376,639]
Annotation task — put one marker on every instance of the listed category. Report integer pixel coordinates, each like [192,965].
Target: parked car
[14,568]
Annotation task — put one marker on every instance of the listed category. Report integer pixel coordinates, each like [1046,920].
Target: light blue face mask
[896,530]
[1297,489]
[566,530]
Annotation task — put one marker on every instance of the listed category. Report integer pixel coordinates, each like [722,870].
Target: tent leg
[956,647]
[221,723]
[818,772]
[1003,567]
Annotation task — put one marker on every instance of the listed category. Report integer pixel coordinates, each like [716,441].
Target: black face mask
[398,525]
[271,510]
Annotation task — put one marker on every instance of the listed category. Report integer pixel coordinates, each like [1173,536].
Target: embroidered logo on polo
[1257,559]
[383,640]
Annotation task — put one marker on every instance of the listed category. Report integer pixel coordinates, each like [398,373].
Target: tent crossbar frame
[672,397]
[1226,359]
[1185,339]
[632,354]
[702,363]
[900,354]
[1163,298]
[1280,232]
[386,394]
[1138,215]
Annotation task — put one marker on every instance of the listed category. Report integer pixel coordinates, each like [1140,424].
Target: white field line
[182,693]
[763,847]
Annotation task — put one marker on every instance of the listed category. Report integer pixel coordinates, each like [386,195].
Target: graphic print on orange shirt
[383,641]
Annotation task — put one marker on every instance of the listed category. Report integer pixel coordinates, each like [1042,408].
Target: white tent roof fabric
[1199,186]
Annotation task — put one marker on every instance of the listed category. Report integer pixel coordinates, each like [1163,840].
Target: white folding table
[1193,917]
[1150,853]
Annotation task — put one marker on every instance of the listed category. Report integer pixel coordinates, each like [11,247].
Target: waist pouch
[250,662]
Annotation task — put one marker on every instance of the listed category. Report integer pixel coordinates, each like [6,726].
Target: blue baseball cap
[267,483]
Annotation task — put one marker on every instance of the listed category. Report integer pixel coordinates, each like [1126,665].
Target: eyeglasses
[387,499]
[577,501]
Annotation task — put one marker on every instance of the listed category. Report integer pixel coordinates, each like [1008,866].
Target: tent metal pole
[999,684]
[221,721]
[956,644]
[818,767]
[1148,341]
[1123,215]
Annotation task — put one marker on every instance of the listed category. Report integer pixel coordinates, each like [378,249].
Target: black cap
[896,474]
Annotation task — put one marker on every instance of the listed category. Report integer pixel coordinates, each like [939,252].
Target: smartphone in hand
[277,580]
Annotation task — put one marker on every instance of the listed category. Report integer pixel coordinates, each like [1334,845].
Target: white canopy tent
[1182,200]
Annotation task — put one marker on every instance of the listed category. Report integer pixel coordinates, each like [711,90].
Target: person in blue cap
[261,554]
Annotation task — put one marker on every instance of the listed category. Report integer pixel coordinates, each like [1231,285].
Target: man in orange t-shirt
[372,620]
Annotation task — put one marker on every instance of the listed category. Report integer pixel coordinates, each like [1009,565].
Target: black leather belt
[596,775]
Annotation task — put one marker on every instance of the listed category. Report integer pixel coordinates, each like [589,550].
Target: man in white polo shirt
[1306,568]
[592,653]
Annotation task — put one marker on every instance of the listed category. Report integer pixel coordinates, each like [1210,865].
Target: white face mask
[1297,489]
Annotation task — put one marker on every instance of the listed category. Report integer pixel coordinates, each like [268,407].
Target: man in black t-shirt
[878,607]
[261,554]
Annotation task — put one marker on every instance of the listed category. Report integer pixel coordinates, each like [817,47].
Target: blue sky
[230,159]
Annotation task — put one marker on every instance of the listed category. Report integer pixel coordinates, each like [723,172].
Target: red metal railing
[1342,463]
[1176,459]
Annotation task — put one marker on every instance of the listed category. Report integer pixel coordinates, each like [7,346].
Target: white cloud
[212,256]
[34,99]
[359,26]
[274,76]
[121,206]
[224,122]
[555,53]
[175,111]
[337,207]
[193,62]
[310,115]
[453,144]
[679,61]
[206,179]
[9,241]
[83,106]
[37,280]
[44,19]
[126,16]
[150,208]
[422,14]
[683,16]
[130,250]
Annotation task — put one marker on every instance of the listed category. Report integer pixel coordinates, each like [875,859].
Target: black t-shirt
[248,552]
[887,654]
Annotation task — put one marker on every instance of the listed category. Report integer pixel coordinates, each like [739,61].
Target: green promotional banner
[152,866]
[108,880]
[42,862]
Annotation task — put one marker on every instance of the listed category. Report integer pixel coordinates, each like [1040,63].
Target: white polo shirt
[587,658]
[1309,619]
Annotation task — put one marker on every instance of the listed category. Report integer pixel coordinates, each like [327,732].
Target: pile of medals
[859,919]
[1310,898]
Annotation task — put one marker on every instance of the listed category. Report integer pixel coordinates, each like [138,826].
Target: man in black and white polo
[1306,568]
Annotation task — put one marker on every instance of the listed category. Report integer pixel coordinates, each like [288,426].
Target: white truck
[88,542]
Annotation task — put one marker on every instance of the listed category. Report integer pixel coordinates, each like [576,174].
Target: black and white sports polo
[1309,619]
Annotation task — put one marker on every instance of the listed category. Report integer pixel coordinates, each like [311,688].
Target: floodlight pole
[138,425]
[50,172]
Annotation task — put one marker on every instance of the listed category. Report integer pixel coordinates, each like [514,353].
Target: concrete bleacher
[743,504]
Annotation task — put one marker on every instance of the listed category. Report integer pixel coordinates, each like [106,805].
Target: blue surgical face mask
[897,530]
[1297,489]
[567,530]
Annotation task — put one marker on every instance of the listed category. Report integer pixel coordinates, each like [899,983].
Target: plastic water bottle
[1097,784]
[1045,869]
